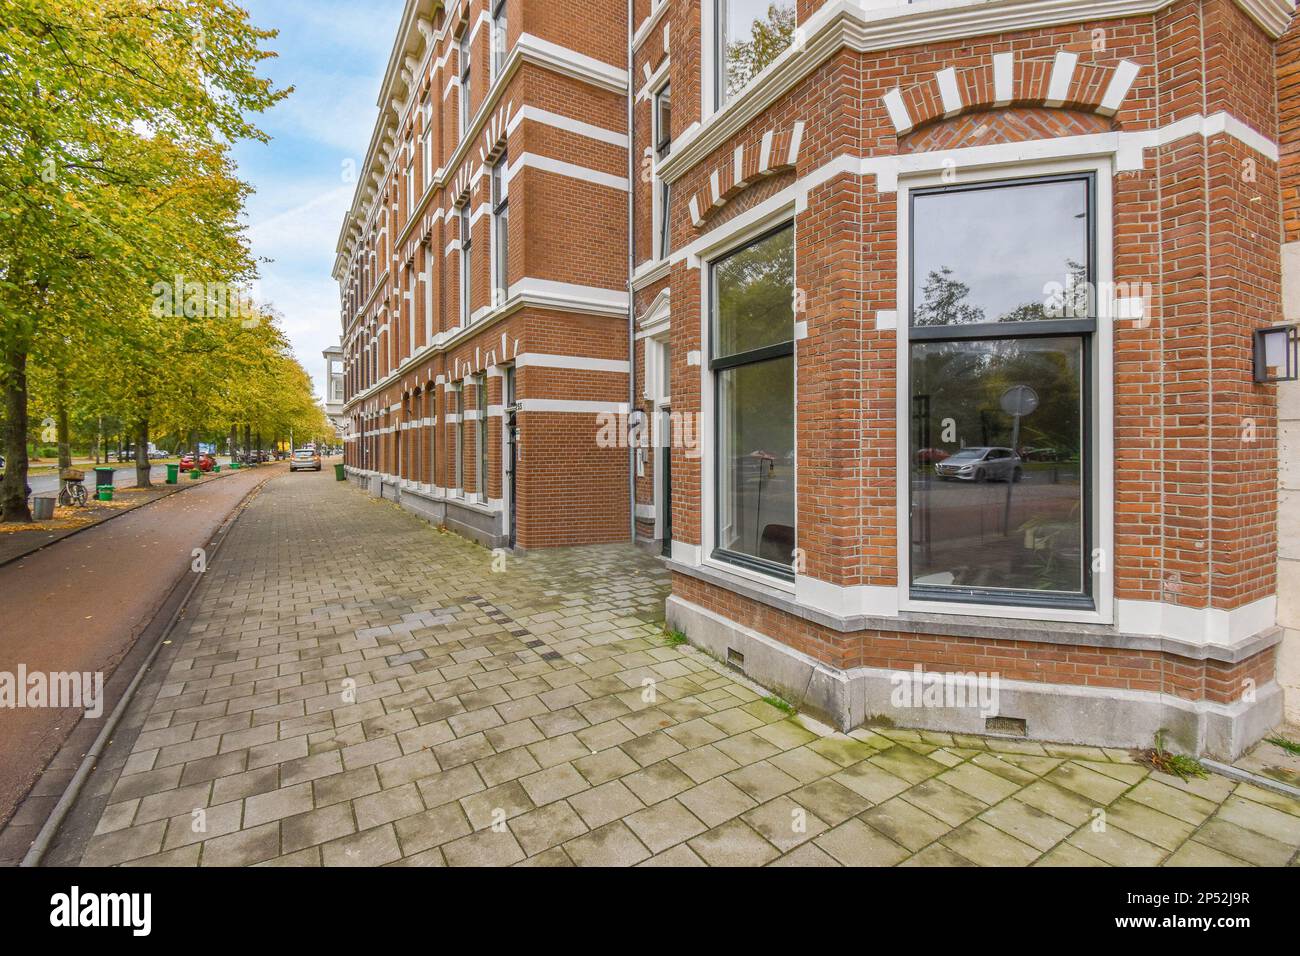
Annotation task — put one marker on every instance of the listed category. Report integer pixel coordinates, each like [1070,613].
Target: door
[666,488]
[511,457]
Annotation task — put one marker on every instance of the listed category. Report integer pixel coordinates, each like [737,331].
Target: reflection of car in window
[981,464]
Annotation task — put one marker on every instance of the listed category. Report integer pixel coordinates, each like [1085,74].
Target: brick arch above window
[1011,125]
[776,152]
[1005,80]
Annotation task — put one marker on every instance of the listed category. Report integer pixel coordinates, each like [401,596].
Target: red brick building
[483,273]
[941,338]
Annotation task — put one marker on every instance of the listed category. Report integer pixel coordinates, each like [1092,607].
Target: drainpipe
[631,267]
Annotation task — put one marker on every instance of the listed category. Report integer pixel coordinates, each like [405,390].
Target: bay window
[1001,339]
[750,35]
[752,359]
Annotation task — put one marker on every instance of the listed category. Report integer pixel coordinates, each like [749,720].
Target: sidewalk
[355,688]
[80,606]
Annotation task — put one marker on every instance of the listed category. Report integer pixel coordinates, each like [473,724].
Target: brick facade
[1171,111]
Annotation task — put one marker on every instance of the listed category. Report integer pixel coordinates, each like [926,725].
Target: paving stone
[386,806]
[1151,825]
[546,827]
[368,848]
[1027,824]
[831,801]
[657,782]
[1117,847]
[678,856]
[1244,844]
[906,764]
[1096,787]
[605,766]
[421,831]
[554,784]
[121,845]
[785,823]
[937,855]
[611,845]
[806,855]
[1063,854]
[1259,818]
[984,845]
[948,804]
[905,824]
[1184,806]
[734,843]
[243,848]
[1194,853]
[495,806]
[605,803]
[285,802]
[853,843]
[715,801]
[316,827]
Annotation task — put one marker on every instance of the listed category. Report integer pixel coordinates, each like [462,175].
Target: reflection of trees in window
[945,301]
[754,295]
[745,58]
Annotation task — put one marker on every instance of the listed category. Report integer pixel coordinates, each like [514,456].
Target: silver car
[981,464]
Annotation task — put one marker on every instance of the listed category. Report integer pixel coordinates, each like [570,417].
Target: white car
[304,459]
[981,464]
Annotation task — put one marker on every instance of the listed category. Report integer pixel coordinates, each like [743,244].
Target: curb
[45,836]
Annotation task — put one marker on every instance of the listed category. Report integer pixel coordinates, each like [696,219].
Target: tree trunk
[248,441]
[142,464]
[65,447]
[14,490]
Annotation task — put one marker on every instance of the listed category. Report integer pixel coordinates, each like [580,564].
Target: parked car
[205,463]
[305,459]
[981,464]
[929,456]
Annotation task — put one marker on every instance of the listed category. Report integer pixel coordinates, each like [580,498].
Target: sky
[334,54]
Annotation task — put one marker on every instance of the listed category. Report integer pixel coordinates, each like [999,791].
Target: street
[79,605]
[123,477]
[352,687]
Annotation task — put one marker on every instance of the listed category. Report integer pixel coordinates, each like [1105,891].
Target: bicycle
[72,489]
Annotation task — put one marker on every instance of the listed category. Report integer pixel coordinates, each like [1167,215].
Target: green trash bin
[195,474]
[216,469]
[104,492]
[173,474]
[339,474]
[104,476]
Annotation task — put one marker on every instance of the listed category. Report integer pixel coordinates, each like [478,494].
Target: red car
[206,463]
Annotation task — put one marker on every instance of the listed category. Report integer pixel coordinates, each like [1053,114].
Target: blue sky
[334,53]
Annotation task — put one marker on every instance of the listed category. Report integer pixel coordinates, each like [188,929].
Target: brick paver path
[356,688]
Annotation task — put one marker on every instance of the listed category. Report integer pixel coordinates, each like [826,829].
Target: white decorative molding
[1196,625]
[949,92]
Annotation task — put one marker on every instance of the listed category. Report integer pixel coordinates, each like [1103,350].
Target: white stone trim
[949,91]
[575,362]
[1196,625]
[566,405]
[1063,67]
[898,114]
[1121,81]
[1004,78]
[561,168]
[535,114]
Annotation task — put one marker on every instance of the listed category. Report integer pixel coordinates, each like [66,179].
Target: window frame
[500,24]
[1096,602]
[714,366]
[466,265]
[662,145]
[465,72]
[500,236]
[481,437]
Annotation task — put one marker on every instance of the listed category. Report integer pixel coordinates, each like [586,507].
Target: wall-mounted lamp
[1277,354]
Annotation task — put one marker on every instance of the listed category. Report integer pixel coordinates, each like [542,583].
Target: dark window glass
[756,469]
[754,290]
[753,365]
[1009,253]
[998,498]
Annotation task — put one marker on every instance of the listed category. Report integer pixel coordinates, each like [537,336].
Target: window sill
[962,622]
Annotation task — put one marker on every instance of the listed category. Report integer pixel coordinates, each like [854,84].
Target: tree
[109,112]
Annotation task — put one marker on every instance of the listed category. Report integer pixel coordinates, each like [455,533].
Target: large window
[481,438]
[466,79]
[751,34]
[500,231]
[466,270]
[1001,330]
[499,26]
[753,364]
[459,450]
[663,144]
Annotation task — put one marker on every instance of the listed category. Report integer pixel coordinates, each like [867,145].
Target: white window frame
[466,241]
[658,247]
[1102,391]
[500,25]
[730,237]
[499,190]
[465,72]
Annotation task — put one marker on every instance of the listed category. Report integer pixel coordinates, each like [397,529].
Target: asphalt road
[80,604]
[123,477]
